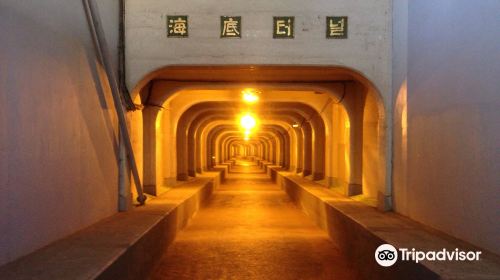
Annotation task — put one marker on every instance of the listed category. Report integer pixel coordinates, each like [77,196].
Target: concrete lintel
[166,88]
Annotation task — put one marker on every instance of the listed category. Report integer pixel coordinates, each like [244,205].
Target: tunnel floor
[249,229]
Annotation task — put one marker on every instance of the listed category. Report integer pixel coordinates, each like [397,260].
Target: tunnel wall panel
[447,132]
[372,171]
[58,144]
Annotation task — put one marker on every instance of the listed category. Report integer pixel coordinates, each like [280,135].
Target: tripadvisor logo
[387,255]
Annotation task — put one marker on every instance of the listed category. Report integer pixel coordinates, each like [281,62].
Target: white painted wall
[367,50]
[450,150]
[58,145]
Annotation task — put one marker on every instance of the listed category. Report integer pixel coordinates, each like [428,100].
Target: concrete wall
[367,50]
[340,147]
[58,133]
[372,150]
[447,128]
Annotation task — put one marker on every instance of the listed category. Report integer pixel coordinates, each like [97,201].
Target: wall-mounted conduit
[103,55]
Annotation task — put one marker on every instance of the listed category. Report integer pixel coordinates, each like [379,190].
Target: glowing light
[247,135]
[295,125]
[250,96]
[248,122]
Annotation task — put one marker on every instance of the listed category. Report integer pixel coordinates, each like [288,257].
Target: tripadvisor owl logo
[386,255]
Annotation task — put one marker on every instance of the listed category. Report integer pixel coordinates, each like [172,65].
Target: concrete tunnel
[334,139]
[324,124]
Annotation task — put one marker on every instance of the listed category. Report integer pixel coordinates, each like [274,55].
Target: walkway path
[251,230]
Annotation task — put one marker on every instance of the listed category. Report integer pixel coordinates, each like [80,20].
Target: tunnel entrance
[326,124]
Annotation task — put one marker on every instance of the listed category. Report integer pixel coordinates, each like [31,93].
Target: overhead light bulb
[248,122]
[250,96]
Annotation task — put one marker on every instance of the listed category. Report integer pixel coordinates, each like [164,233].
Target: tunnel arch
[282,145]
[279,120]
[211,109]
[222,119]
[365,118]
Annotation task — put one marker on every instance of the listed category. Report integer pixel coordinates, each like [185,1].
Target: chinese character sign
[336,27]
[230,27]
[177,26]
[283,27]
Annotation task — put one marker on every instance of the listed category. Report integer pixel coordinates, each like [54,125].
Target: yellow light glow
[247,135]
[248,122]
[347,124]
[249,95]
[295,125]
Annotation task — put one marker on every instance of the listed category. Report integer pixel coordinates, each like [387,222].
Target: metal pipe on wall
[104,57]
[127,99]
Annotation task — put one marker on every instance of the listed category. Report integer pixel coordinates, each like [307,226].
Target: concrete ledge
[226,165]
[223,169]
[124,246]
[358,230]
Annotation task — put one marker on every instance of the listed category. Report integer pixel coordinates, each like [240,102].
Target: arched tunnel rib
[189,123]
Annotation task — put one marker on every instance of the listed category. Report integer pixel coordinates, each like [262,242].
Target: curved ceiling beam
[204,108]
[200,159]
[270,131]
[213,138]
[203,120]
[162,91]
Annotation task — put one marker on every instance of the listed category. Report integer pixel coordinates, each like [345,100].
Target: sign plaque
[177,26]
[283,27]
[336,27]
[230,27]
